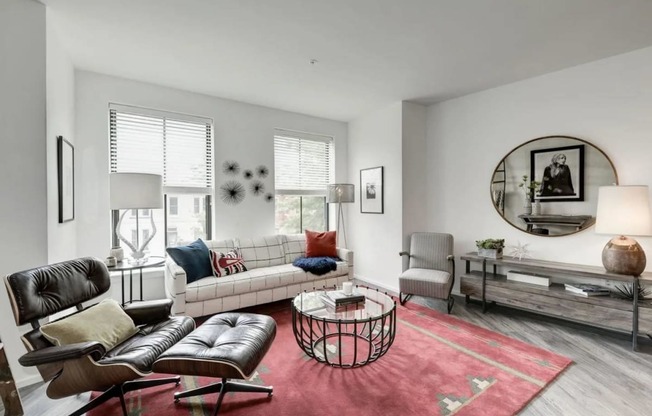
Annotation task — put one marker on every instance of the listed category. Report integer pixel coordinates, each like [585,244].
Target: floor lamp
[339,193]
[136,191]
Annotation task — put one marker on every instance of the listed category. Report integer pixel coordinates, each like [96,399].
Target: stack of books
[338,300]
[585,289]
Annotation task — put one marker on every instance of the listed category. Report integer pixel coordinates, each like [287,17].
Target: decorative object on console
[66,173]
[490,248]
[585,289]
[230,167]
[232,192]
[520,251]
[136,191]
[623,210]
[525,277]
[528,193]
[624,291]
[339,193]
[321,244]
[371,191]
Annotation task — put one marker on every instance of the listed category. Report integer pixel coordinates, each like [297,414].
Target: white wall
[414,178]
[607,102]
[376,239]
[60,77]
[243,132]
[23,200]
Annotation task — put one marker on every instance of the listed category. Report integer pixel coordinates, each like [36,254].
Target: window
[178,147]
[196,206]
[173,208]
[303,165]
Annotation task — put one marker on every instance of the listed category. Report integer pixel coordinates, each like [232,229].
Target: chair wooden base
[120,389]
[225,386]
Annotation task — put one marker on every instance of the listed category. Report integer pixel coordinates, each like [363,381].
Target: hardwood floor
[607,379]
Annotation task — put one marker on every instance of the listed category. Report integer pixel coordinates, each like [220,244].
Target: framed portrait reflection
[561,173]
[371,190]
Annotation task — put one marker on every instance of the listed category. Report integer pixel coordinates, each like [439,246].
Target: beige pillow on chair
[105,322]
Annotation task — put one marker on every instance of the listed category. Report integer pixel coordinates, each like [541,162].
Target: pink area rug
[438,365]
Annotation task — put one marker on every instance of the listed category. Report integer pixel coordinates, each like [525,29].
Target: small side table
[124,266]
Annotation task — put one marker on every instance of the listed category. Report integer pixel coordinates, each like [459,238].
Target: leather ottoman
[228,346]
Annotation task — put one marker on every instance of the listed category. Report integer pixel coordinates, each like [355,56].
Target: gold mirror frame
[565,209]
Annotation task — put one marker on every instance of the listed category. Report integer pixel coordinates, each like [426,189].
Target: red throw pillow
[321,244]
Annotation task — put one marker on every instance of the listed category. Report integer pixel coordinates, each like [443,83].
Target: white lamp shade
[341,192]
[623,210]
[135,190]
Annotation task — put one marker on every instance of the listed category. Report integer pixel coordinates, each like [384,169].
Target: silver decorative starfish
[520,251]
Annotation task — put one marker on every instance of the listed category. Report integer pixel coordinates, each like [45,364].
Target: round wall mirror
[549,186]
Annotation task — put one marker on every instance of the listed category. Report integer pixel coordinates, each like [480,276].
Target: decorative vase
[118,253]
[491,253]
[527,206]
[536,208]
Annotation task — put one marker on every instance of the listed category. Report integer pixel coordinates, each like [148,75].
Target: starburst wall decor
[232,192]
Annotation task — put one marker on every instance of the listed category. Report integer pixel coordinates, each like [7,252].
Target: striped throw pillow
[225,264]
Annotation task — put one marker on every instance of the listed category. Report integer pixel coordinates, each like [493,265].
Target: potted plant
[491,248]
[528,192]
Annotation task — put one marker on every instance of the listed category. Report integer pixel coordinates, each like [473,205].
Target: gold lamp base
[623,255]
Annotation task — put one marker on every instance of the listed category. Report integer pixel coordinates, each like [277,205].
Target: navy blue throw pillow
[193,259]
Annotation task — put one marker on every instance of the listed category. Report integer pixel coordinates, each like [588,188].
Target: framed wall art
[371,190]
[561,173]
[66,171]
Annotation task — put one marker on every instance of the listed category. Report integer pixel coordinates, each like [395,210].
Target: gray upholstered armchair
[431,268]
[74,367]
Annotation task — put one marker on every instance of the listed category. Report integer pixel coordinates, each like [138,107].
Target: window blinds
[303,163]
[175,146]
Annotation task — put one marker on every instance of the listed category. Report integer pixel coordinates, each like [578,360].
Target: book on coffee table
[338,298]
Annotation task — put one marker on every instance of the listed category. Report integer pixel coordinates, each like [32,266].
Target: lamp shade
[340,192]
[623,210]
[135,190]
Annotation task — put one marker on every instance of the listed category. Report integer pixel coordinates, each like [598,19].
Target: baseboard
[375,285]
[28,381]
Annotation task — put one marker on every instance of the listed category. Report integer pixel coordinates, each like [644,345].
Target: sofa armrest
[57,354]
[346,255]
[175,286]
[149,311]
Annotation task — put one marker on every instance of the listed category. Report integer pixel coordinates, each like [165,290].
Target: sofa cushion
[194,259]
[262,251]
[255,280]
[321,244]
[294,246]
[105,322]
[225,264]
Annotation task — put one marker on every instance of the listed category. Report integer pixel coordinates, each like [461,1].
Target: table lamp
[136,191]
[623,210]
[339,193]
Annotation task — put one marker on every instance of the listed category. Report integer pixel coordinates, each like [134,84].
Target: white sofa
[270,276]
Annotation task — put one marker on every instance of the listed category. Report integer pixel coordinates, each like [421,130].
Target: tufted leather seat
[71,369]
[229,345]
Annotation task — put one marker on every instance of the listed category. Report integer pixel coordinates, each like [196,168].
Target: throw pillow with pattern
[225,264]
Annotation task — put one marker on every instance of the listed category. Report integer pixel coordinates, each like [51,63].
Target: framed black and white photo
[66,168]
[561,173]
[371,190]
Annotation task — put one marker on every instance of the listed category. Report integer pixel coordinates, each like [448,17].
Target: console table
[622,315]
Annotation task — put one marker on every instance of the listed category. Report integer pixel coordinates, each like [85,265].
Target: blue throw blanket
[316,265]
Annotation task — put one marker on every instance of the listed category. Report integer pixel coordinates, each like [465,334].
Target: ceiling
[369,52]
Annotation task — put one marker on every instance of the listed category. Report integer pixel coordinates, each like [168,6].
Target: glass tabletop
[152,261]
[313,304]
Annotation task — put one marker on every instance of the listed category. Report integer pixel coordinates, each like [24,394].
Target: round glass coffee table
[347,336]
